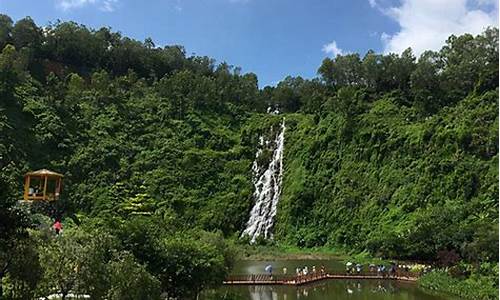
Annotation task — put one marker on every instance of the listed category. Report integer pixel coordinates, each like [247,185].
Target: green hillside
[388,154]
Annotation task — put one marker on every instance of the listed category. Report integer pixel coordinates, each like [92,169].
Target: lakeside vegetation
[388,155]
[478,284]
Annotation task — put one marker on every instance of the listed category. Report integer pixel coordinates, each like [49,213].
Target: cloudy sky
[273,38]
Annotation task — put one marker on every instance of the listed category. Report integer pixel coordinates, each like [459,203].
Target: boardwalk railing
[259,279]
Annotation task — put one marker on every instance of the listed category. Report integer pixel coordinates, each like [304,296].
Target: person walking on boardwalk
[269,268]
[392,269]
[359,267]
[348,267]
[372,268]
[382,269]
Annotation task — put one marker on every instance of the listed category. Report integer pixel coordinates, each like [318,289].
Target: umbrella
[348,264]
[269,268]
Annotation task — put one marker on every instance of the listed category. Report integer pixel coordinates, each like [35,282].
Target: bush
[476,286]
[142,285]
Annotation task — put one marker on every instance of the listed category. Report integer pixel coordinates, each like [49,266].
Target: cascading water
[267,189]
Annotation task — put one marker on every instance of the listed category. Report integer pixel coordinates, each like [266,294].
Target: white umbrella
[269,268]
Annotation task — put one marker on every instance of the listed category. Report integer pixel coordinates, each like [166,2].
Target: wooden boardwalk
[266,279]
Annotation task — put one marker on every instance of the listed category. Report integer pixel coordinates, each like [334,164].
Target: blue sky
[273,38]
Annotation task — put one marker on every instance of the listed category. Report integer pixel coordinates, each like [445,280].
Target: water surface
[331,289]
[248,267]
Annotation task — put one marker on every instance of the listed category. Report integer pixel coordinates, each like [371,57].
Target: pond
[327,289]
[249,267]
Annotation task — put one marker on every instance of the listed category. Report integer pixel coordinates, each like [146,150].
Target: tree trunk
[1,286]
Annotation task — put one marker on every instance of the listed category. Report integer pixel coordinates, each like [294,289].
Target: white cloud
[426,24]
[108,5]
[332,49]
[71,4]
[373,3]
[104,5]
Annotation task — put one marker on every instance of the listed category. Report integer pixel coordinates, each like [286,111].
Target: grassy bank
[284,252]
[475,286]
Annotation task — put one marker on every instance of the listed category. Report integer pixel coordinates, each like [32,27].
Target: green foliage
[400,177]
[189,264]
[24,270]
[475,286]
[130,280]
[75,261]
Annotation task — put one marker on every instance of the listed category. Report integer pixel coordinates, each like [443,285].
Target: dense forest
[157,148]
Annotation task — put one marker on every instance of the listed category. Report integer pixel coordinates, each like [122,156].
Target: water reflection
[262,292]
[337,289]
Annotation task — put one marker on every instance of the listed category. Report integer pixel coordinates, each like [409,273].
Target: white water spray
[267,189]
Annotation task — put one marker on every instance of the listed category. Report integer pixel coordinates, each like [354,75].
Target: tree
[344,70]
[142,285]
[468,61]
[75,261]
[5,30]
[24,271]
[13,224]
[286,95]
[425,81]
[25,33]
[189,265]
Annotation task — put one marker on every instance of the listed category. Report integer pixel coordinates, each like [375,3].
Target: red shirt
[57,225]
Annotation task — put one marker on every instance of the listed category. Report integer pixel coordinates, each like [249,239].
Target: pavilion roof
[44,172]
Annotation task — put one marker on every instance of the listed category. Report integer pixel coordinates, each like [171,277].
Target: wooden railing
[311,277]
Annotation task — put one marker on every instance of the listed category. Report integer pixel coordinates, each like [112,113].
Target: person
[284,270]
[305,270]
[348,267]
[392,270]
[322,269]
[38,189]
[372,268]
[269,268]
[314,269]
[358,268]
[57,226]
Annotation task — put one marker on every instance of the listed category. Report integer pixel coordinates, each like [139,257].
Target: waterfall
[267,188]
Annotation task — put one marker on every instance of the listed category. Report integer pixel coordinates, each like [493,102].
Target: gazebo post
[58,188]
[26,187]
[45,187]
